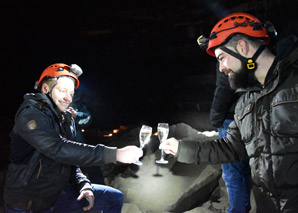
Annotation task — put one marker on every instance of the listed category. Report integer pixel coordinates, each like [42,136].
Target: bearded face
[238,78]
[241,78]
[239,75]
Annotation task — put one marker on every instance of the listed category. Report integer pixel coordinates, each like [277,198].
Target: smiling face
[62,93]
[234,68]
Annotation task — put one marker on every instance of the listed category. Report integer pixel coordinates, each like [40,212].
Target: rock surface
[174,187]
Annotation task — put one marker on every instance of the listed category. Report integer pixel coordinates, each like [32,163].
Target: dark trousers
[107,199]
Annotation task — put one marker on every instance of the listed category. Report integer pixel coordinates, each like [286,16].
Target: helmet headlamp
[75,69]
[59,69]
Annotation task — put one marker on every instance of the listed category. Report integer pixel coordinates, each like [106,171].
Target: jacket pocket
[20,175]
[244,120]
[284,113]
[33,167]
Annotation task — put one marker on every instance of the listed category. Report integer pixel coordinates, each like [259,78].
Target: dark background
[140,58]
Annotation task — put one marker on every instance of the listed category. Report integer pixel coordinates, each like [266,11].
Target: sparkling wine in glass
[144,137]
[163,131]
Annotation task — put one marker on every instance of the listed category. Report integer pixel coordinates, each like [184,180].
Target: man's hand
[88,194]
[129,154]
[72,111]
[170,146]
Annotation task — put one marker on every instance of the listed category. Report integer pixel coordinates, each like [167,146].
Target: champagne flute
[144,137]
[163,131]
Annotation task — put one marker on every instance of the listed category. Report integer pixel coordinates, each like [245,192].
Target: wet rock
[199,191]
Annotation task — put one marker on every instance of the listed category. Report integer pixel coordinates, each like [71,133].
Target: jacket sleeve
[181,130]
[225,150]
[223,102]
[78,180]
[37,129]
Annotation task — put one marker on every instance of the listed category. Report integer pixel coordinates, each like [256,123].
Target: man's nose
[221,68]
[68,97]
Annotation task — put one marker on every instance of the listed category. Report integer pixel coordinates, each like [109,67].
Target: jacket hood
[287,55]
[40,97]
[285,47]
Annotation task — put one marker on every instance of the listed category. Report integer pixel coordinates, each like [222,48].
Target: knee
[118,195]
[108,194]
[114,195]
[116,198]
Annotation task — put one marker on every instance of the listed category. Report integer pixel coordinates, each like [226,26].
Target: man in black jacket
[44,173]
[265,125]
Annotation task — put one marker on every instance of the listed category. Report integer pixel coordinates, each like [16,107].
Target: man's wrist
[86,186]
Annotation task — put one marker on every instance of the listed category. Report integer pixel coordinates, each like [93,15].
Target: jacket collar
[45,101]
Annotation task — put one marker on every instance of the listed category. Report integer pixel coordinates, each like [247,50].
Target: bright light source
[108,135]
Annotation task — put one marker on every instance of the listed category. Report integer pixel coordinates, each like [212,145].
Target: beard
[243,78]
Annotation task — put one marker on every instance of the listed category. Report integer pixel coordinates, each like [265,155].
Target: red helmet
[236,23]
[60,69]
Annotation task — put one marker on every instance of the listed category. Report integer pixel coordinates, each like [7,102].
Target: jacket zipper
[256,119]
[39,170]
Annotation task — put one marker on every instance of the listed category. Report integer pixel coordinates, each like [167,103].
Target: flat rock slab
[174,187]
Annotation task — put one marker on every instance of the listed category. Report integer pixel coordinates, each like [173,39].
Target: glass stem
[162,154]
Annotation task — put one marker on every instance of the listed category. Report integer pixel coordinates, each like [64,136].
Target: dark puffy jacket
[265,128]
[44,158]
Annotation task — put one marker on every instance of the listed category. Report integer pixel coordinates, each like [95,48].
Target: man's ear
[45,88]
[242,47]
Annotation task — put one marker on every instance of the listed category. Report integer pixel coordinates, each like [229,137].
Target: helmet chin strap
[250,62]
[50,91]
[49,95]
